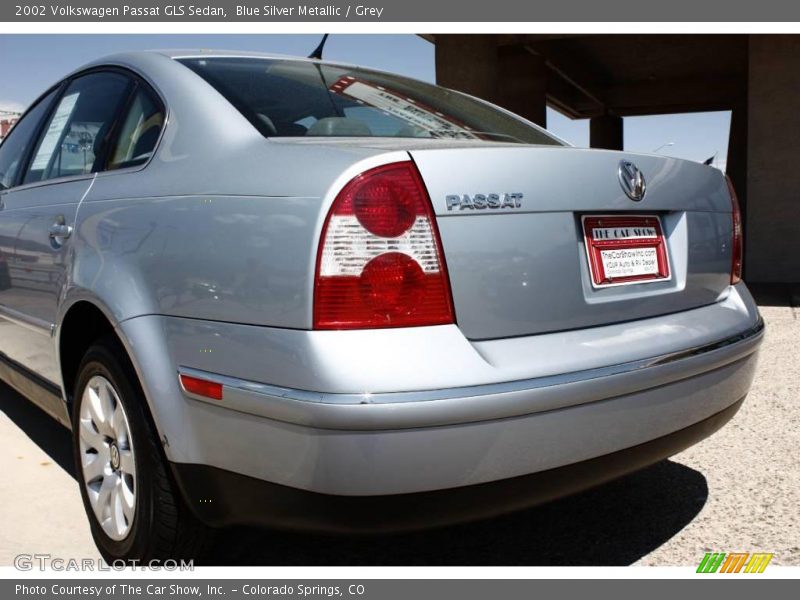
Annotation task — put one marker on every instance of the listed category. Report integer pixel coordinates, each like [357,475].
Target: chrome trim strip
[42,392]
[475,403]
[31,323]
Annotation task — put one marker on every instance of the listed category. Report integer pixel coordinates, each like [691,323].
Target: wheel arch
[83,318]
[81,325]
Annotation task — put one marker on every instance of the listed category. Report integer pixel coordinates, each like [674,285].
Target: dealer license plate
[625,249]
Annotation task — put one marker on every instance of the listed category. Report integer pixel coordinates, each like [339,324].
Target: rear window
[290,98]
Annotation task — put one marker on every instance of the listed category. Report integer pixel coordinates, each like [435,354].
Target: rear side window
[139,132]
[297,98]
[74,138]
[13,149]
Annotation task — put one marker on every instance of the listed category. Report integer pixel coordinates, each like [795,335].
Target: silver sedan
[307,295]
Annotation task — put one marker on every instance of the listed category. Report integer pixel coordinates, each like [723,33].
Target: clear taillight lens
[380,260]
[738,242]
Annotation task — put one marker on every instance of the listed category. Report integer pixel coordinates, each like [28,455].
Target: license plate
[625,249]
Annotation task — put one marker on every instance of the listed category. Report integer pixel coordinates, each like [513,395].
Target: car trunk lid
[512,227]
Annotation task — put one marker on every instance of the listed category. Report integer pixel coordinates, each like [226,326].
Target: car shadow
[614,524]
[43,430]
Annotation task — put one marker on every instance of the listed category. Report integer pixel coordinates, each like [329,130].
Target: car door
[14,331]
[69,149]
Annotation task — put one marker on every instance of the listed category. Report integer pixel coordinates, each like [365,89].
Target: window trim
[28,148]
[138,84]
[65,86]
[129,84]
[141,81]
[135,81]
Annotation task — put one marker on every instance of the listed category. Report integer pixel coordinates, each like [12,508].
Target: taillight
[738,243]
[380,261]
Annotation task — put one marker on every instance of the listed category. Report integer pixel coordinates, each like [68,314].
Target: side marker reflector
[201,387]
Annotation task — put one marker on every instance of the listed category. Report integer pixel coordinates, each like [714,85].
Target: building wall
[6,125]
[772,242]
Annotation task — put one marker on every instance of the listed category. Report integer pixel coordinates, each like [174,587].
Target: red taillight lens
[392,283]
[380,261]
[201,387]
[386,204]
[737,243]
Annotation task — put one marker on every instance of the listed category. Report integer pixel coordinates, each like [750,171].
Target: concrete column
[468,63]
[772,238]
[606,132]
[523,84]
[736,166]
[508,76]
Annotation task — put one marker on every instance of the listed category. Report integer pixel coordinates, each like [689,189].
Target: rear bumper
[442,412]
[230,498]
[456,406]
[385,448]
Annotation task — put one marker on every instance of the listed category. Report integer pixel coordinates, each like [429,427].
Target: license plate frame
[639,237]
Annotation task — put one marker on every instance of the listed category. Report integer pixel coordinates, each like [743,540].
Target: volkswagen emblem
[631,180]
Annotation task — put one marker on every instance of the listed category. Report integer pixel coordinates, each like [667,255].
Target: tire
[132,492]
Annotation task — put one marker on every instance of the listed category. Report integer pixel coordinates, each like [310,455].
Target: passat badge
[483,201]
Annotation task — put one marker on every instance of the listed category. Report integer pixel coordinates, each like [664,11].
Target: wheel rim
[107,457]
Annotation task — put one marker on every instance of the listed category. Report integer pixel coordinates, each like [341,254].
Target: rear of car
[317,296]
[491,314]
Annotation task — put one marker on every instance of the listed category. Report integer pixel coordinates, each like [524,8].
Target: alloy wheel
[107,457]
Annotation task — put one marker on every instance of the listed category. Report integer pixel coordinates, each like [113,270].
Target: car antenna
[317,53]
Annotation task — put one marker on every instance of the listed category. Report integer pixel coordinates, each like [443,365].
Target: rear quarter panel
[222,224]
